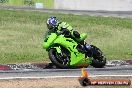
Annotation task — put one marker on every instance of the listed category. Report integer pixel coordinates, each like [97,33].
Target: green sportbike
[65,52]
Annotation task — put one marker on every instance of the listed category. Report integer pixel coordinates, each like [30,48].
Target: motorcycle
[65,52]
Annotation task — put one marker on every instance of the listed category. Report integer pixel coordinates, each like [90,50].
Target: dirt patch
[49,83]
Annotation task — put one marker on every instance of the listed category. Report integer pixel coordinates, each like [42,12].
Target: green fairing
[77,58]
[49,40]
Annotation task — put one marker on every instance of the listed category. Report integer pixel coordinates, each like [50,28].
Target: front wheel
[60,60]
[99,59]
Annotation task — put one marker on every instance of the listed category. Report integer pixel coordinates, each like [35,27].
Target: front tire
[60,62]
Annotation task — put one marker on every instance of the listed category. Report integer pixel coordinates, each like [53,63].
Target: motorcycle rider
[64,28]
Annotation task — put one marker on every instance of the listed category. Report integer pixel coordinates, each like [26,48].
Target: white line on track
[46,77]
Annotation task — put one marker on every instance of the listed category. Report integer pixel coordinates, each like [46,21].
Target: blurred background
[110,5]
[28,3]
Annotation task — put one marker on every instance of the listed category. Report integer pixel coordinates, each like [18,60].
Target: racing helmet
[52,22]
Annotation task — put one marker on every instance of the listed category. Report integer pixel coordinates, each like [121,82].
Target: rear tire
[99,59]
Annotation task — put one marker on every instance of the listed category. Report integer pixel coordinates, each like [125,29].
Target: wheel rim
[64,60]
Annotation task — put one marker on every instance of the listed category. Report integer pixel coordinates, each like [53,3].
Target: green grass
[15,2]
[21,35]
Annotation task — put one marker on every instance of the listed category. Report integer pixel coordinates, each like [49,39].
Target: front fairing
[48,41]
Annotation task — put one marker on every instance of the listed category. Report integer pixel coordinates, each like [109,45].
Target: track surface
[125,70]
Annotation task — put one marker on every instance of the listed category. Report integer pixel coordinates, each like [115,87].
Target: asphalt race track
[124,70]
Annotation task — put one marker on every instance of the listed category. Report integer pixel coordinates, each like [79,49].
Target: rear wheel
[61,60]
[99,59]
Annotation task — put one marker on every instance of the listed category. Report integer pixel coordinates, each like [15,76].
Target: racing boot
[88,49]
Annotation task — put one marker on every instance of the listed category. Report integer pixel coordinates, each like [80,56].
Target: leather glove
[64,31]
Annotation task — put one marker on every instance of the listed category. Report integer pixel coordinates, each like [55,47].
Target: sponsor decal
[85,81]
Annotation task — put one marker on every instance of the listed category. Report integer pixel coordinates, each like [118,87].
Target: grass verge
[21,35]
